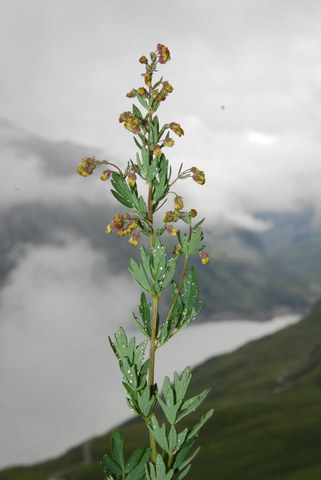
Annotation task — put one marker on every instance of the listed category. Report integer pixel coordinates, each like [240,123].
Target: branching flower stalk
[168,455]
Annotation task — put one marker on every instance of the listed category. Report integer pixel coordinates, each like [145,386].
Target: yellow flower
[205,258]
[131,179]
[157,150]
[178,203]
[171,230]
[169,142]
[108,229]
[177,249]
[176,128]
[198,175]
[134,239]
[105,175]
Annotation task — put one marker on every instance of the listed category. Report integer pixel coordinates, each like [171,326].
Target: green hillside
[267,421]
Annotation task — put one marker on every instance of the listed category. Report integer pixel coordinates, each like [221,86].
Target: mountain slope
[267,421]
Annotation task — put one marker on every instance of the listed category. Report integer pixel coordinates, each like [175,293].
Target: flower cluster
[164,54]
[87,166]
[124,224]
[198,176]
[131,122]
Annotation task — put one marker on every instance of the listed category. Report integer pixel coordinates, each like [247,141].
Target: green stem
[151,370]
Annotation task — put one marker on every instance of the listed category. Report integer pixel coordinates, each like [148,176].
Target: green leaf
[190,290]
[139,471]
[147,264]
[139,276]
[121,186]
[145,313]
[137,112]
[134,459]
[138,144]
[192,404]
[184,473]
[145,401]
[195,430]
[122,199]
[129,372]
[159,433]
[189,459]
[172,439]
[139,354]
[194,241]
[117,447]
[170,271]
[110,467]
[181,383]
[142,101]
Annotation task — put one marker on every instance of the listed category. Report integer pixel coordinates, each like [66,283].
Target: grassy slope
[267,422]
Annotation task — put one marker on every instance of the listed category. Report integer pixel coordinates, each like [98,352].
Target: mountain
[267,420]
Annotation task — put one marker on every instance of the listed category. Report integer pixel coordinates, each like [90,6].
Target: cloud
[57,310]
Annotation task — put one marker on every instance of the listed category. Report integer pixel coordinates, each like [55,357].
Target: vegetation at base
[267,422]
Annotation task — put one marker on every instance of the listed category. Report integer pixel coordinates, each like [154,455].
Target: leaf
[144,310]
[139,276]
[138,472]
[159,433]
[192,404]
[181,383]
[117,447]
[134,459]
[190,458]
[170,271]
[194,432]
[172,439]
[142,101]
[121,186]
[190,290]
[195,240]
[139,354]
[184,473]
[145,401]
[121,199]
[129,373]
[138,144]
[147,264]
[110,467]
[137,112]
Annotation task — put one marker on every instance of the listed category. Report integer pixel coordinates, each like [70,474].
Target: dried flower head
[163,52]
[176,128]
[198,176]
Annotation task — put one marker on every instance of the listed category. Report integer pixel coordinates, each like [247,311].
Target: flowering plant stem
[168,455]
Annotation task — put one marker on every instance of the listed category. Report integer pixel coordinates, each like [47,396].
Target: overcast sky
[247,91]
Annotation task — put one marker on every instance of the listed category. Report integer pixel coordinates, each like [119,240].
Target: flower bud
[163,52]
[170,217]
[131,179]
[171,230]
[157,150]
[108,229]
[131,94]
[177,249]
[105,175]
[169,142]
[178,203]
[198,175]
[176,128]
[134,239]
[205,258]
[143,59]
[192,213]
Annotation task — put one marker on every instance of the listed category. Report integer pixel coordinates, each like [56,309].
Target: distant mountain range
[251,275]
[266,425]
